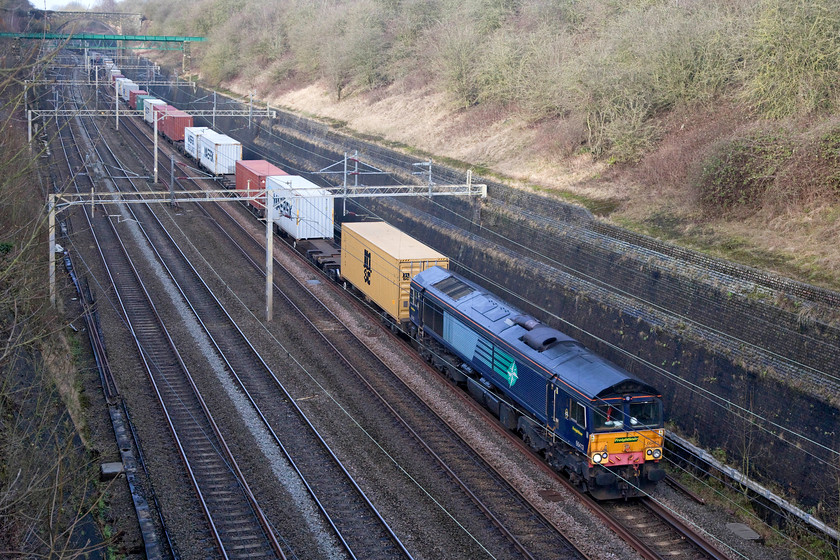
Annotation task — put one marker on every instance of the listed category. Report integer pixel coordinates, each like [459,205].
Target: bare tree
[47,489]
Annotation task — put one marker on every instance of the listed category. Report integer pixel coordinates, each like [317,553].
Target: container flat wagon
[140,101]
[191,136]
[133,95]
[218,153]
[148,109]
[126,88]
[173,124]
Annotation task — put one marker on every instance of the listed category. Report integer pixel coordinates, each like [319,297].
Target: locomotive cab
[625,444]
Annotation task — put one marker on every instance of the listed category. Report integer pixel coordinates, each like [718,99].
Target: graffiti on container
[282,207]
[285,208]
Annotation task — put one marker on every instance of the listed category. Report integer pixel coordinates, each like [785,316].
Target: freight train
[589,418]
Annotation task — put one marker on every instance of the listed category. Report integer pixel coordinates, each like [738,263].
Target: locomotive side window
[607,417]
[648,414]
[577,413]
[432,317]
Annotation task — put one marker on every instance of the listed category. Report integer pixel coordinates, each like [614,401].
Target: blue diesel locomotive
[590,418]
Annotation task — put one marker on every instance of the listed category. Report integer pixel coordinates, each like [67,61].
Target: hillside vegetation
[711,122]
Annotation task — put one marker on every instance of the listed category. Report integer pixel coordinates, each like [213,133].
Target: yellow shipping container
[380,261]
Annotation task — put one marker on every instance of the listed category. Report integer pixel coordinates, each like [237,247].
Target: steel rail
[150,367]
[244,339]
[512,538]
[687,532]
[494,519]
[622,531]
[260,515]
[147,529]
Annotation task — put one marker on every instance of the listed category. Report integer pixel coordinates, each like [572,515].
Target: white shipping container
[218,153]
[126,89]
[121,84]
[303,209]
[118,82]
[148,113]
[191,135]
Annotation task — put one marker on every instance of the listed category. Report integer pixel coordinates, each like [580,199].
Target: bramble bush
[791,60]
[616,66]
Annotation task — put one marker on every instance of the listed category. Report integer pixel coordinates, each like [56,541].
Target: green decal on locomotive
[505,365]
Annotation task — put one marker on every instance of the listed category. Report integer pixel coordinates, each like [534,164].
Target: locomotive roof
[586,372]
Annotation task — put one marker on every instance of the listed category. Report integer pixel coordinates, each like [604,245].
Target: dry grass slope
[709,123]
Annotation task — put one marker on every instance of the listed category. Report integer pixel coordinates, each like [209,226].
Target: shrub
[792,62]
[455,59]
[542,90]
[649,60]
[740,170]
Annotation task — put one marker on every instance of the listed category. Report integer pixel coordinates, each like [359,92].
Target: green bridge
[100,37]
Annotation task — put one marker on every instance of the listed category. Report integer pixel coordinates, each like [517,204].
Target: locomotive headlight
[657,453]
[596,458]
[649,452]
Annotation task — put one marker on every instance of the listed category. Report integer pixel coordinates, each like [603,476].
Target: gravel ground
[423,524]
[565,512]
[271,472]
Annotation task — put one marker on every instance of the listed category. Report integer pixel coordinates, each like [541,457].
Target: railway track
[672,539]
[531,534]
[389,392]
[236,526]
[657,532]
[356,522]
